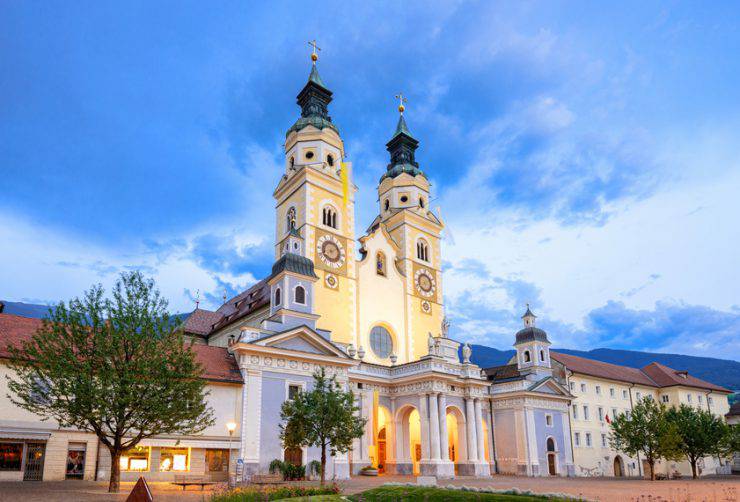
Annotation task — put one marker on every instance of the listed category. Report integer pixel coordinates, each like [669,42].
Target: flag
[607,419]
[345,182]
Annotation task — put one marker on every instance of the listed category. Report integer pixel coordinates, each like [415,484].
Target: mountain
[722,372]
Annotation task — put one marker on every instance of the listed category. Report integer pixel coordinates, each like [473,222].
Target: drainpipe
[493,436]
[639,462]
[568,374]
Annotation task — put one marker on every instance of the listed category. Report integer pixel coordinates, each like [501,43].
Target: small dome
[531,334]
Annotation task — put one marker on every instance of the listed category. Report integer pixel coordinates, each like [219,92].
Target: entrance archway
[456,442]
[384,428]
[552,460]
[618,467]
[381,451]
[408,438]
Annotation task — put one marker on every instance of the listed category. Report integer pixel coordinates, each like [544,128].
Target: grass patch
[263,494]
[431,494]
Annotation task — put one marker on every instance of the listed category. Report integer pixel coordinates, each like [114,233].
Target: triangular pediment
[302,339]
[549,385]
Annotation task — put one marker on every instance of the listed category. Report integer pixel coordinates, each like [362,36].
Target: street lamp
[231,427]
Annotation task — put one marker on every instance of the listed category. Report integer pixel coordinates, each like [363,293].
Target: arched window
[277,296]
[381,342]
[542,355]
[290,219]
[300,295]
[421,202]
[550,444]
[329,217]
[330,160]
[292,162]
[422,250]
[527,357]
[380,263]
[387,204]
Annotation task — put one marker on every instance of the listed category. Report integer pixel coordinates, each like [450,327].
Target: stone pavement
[721,489]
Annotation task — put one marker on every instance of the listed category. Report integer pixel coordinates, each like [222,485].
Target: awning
[24,434]
[192,443]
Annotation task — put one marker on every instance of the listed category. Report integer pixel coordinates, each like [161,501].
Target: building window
[710,401]
[421,202]
[612,392]
[173,459]
[575,412]
[217,460]
[664,398]
[698,398]
[638,395]
[527,357]
[614,413]
[422,250]
[601,414]
[293,391]
[11,456]
[387,204]
[75,461]
[292,162]
[688,397]
[329,217]
[598,390]
[135,459]
[550,444]
[277,296]
[583,387]
[585,412]
[577,438]
[588,439]
[542,355]
[309,154]
[380,263]
[624,394]
[404,199]
[548,420]
[290,219]
[603,440]
[330,160]
[381,342]
[300,295]
[627,414]
[572,386]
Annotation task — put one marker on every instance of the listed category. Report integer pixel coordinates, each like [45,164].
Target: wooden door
[551,467]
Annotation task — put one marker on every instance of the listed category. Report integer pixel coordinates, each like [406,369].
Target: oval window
[381,342]
[309,155]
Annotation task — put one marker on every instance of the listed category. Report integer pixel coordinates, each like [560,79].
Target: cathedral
[369,310]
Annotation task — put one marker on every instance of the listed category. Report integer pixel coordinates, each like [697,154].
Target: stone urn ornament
[351,350]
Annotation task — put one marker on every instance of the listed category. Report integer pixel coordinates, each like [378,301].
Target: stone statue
[445,327]
[430,344]
[466,353]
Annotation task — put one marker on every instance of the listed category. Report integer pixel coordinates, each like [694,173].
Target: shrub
[252,494]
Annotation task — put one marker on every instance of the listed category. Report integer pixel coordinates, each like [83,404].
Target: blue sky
[585,156]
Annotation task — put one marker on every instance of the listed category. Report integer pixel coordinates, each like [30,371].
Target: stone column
[434,427]
[251,421]
[424,415]
[444,446]
[479,431]
[472,440]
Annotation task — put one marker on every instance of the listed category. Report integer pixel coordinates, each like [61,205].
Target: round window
[381,342]
[404,199]
[309,155]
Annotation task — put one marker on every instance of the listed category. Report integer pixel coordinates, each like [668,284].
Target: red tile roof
[243,304]
[652,375]
[218,364]
[201,322]
[667,377]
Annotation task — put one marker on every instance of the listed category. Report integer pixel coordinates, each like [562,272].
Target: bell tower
[315,207]
[403,195]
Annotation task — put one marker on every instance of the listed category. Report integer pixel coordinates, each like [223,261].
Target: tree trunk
[323,464]
[693,467]
[114,486]
[651,464]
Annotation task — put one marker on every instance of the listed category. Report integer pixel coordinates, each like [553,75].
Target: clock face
[425,283]
[331,251]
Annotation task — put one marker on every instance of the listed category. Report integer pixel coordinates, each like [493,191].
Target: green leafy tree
[646,431]
[325,417]
[700,432]
[116,366]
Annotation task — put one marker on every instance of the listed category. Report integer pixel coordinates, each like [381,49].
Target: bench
[186,481]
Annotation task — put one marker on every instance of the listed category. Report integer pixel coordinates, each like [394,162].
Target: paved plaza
[724,489]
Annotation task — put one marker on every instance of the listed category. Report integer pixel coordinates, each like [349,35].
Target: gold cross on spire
[401,100]
[314,56]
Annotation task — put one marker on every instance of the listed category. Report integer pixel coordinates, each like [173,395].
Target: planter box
[369,472]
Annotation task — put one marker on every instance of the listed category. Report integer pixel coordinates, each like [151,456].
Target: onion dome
[530,333]
[314,101]
[402,147]
[297,264]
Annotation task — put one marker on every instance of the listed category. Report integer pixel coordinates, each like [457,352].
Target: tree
[646,430]
[117,367]
[700,432]
[325,416]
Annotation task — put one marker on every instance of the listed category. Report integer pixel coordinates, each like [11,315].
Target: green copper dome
[314,101]
[402,148]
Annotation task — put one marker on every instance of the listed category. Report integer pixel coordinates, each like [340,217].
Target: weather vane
[314,56]
[197,298]
[401,100]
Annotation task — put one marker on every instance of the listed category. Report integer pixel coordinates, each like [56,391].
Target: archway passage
[406,436]
[414,421]
[618,467]
[456,438]
[552,465]
[381,451]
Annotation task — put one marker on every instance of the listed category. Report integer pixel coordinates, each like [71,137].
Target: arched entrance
[456,443]
[381,451]
[408,439]
[381,440]
[552,460]
[618,467]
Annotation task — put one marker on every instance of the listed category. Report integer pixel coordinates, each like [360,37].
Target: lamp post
[231,427]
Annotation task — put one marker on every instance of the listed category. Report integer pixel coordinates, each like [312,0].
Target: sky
[583,155]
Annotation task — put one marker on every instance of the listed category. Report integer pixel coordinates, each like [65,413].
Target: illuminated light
[180,462]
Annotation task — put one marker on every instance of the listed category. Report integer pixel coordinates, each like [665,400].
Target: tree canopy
[118,367]
[324,417]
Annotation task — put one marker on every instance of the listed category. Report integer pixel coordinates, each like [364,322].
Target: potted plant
[369,470]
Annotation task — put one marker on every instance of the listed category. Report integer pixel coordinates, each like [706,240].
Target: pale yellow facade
[596,398]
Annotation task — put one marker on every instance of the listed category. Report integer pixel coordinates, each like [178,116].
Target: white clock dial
[425,283]
[331,252]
